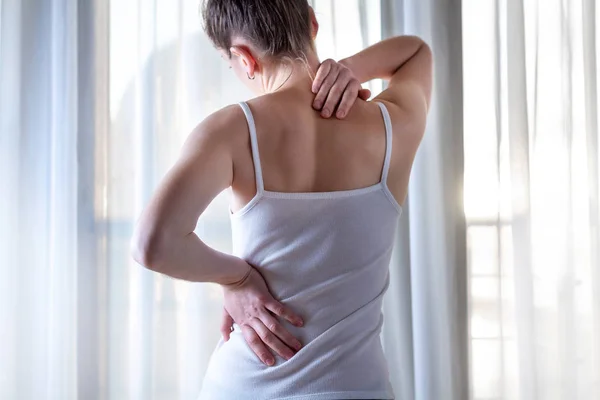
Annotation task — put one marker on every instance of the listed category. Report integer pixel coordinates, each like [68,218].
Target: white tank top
[326,255]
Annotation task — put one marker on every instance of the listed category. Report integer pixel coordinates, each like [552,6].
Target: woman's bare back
[302,152]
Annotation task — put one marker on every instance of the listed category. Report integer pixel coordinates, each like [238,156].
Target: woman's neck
[291,75]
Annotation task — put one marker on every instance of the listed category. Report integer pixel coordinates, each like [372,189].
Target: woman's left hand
[250,304]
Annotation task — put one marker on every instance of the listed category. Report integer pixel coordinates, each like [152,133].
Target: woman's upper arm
[203,170]
[410,87]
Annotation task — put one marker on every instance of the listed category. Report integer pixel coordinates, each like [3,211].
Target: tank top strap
[388,142]
[254,143]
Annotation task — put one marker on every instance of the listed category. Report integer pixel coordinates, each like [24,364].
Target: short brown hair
[277,27]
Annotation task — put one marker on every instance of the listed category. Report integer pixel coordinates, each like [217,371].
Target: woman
[315,204]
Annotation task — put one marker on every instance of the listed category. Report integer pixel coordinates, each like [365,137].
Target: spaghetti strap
[255,154]
[388,142]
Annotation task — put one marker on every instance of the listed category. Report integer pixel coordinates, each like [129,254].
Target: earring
[249,76]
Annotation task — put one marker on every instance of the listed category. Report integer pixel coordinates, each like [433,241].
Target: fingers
[336,88]
[335,96]
[324,91]
[226,324]
[322,73]
[274,326]
[284,312]
[364,94]
[349,97]
[270,339]
[257,345]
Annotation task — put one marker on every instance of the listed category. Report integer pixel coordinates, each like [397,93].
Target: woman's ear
[314,24]
[245,59]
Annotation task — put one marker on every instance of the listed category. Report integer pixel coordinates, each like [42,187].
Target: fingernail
[317,104]
[299,322]
[270,361]
[297,345]
[341,114]
[326,113]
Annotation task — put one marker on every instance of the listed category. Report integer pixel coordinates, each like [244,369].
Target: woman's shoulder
[228,115]
[273,101]
[226,125]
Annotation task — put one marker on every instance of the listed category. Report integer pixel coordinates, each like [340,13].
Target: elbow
[146,248]
[426,49]
[421,48]
[411,49]
[417,41]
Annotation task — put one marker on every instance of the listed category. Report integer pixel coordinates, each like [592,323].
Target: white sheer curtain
[39,94]
[96,99]
[531,198]
[527,77]
[428,295]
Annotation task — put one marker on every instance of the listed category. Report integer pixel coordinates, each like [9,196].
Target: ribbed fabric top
[326,255]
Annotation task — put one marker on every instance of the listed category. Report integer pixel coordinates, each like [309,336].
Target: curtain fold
[91,292]
[590,17]
[434,224]
[38,258]
[10,124]
[518,142]
[531,198]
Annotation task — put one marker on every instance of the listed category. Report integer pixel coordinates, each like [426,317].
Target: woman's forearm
[188,258]
[382,60]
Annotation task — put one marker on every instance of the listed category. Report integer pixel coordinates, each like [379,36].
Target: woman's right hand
[336,86]
[249,304]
